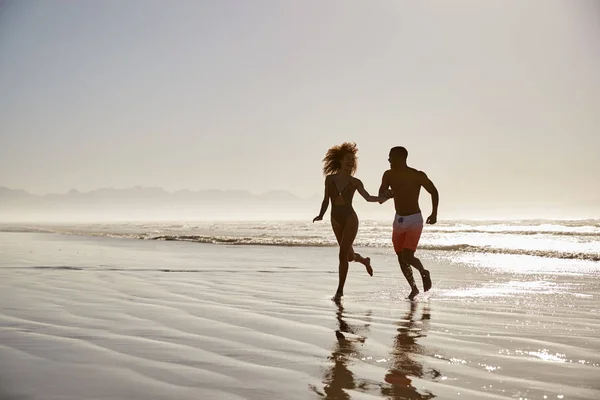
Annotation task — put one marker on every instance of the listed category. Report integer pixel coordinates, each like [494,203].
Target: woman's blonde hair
[333,158]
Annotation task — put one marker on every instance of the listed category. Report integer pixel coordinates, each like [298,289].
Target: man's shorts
[407,232]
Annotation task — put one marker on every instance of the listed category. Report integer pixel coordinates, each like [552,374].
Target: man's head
[398,156]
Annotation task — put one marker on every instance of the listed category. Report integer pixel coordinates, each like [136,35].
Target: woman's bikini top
[345,193]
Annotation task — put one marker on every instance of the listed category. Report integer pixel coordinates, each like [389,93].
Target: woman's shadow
[404,364]
[338,378]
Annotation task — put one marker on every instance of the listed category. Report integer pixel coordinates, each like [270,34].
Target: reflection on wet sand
[338,377]
[404,364]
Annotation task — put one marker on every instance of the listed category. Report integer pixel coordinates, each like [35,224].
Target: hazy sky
[498,101]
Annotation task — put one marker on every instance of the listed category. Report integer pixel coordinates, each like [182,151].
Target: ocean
[554,239]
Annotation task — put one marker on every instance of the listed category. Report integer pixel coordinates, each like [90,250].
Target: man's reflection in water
[338,377]
[404,364]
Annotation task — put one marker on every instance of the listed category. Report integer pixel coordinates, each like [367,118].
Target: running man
[405,183]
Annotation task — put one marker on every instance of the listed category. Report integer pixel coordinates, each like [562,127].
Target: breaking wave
[304,242]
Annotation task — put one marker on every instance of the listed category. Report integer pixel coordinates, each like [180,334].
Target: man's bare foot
[426,281]
[338,297]
[367,264]
[413,294]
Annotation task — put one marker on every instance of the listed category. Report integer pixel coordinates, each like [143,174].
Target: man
[405,183]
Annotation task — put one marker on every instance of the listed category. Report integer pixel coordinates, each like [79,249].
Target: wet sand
[99,318]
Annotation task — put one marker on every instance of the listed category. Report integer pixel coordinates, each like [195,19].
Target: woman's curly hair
[333,158]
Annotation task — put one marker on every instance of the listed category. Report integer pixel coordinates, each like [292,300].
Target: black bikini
[340,213]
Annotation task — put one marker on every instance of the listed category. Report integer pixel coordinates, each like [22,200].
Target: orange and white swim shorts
[407,231]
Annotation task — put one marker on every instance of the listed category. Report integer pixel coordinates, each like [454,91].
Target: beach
[175,178]
[94,314]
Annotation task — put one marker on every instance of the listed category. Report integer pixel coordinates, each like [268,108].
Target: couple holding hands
[400,182]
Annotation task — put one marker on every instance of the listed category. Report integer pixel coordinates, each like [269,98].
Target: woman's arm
[325,202]
[363,192]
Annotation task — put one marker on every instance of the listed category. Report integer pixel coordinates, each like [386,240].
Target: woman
[340,185]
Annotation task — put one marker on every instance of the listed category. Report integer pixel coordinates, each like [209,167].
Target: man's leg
[399,239]
[408,256]
[407,272]
[413,234]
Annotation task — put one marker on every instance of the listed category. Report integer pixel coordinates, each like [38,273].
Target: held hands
[432,219]
[318,218]
[388,194]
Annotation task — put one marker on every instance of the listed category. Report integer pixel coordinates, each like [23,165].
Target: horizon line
[73,190]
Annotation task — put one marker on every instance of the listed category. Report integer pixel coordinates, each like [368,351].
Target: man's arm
[384,187]
[435,198]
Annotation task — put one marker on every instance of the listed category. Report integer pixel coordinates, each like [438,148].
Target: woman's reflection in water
[404,362]
[338,377]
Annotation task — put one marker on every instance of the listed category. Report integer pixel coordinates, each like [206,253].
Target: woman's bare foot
[413,294]
[367,265]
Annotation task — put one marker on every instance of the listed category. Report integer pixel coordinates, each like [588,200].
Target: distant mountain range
[149,202]
[146,194]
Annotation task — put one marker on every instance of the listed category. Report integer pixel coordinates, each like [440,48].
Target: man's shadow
[404,364]
[338,377]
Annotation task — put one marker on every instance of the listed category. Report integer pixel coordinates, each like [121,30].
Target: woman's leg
[347,239]
[366,261]
[338,229]
[352,255]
